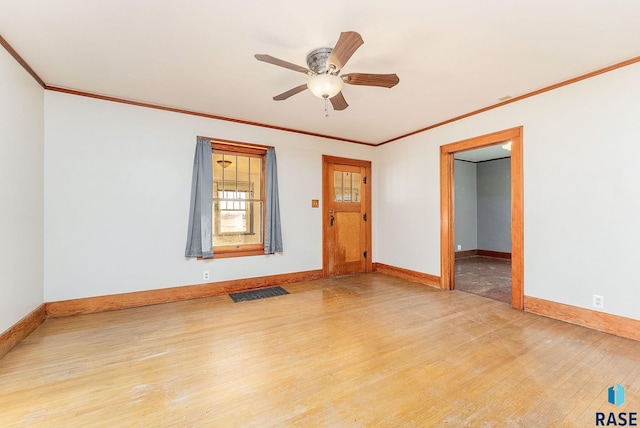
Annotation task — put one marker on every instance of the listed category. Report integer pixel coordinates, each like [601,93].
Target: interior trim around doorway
[447,256]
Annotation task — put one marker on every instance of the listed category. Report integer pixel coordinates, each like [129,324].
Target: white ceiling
[452,56]
[484,154]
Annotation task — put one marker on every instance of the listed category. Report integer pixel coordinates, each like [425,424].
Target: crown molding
[519,98]
[26,66]
[21,61]
[195,113]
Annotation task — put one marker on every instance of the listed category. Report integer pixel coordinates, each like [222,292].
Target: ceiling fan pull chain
[326,106]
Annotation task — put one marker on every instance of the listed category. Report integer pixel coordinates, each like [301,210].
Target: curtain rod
[237,143]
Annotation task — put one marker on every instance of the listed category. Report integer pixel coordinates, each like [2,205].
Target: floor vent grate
[261,293]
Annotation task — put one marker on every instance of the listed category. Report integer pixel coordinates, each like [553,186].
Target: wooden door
[346,216]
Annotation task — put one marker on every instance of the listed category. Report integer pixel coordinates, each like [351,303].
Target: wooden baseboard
[166,295]
[607,323]
[482,253]
[495,254]
[411,275]
[21,329]
[466,253]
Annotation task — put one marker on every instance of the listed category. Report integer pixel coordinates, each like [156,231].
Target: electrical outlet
[459,247]
[205,275]
[598,301]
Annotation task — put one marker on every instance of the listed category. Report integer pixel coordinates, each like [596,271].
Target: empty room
[247,213]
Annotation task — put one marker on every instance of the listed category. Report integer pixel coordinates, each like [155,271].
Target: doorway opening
[447,195]
[482,222]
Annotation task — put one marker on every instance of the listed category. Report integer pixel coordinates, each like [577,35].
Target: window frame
[240,149]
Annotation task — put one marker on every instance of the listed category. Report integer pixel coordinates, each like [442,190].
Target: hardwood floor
[484,276]
[365,350]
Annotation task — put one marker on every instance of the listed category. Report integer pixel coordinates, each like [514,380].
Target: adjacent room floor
[484,276]
[364,350]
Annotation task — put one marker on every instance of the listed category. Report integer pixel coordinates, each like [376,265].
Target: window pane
[243,173]
[230,177]
[217,167]
[337,186]
[237,226]
[355,191]
[256,177]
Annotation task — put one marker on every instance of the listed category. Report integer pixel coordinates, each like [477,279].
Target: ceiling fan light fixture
[325,85]
[325,65]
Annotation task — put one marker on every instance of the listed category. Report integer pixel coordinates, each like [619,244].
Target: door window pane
[356,179]
[346,186]
[337,186]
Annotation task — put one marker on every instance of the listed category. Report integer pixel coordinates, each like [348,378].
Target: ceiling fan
[325,65]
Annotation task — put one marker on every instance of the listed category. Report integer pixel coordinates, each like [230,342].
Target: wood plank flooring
[364,350]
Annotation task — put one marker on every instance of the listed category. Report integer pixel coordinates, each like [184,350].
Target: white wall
[407,205]
[117,187]
[21,192]
[465,206]
[581,204]
[494,205]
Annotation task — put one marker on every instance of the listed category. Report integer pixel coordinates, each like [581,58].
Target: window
[238,200]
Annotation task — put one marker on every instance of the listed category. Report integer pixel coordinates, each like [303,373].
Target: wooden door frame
[326,194]
[447,253]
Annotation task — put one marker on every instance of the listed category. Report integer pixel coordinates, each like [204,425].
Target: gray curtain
[199,236]
[273,232]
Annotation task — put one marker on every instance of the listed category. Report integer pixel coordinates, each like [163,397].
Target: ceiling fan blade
[347,44]
[338,102]
[290,92]
[276,61]
[384,80]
